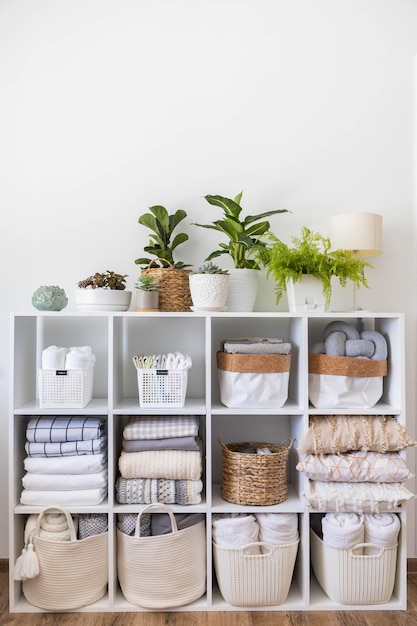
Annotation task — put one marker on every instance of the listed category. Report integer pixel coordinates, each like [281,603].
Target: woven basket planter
[174,287]
[255,479]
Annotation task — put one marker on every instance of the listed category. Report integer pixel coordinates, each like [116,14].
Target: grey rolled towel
[318,348]
[334,344]
[338,325]
[379,342]
[360,347]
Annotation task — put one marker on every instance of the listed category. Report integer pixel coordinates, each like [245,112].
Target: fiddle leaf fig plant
[243,235]
[162,241]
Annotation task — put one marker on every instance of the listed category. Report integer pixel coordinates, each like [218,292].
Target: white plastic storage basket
[350,578]
[247,579]
[162,388]
[65,389]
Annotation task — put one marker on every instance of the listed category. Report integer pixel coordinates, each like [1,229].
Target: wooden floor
[230,618]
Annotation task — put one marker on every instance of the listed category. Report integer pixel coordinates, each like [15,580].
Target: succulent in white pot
[103,292]
[209,287]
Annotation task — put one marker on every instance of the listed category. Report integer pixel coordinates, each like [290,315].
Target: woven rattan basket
[174,287]
[255,479]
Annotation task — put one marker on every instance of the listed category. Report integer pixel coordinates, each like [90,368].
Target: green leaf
[229,206]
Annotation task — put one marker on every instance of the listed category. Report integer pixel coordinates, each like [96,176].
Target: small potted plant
[172,275]
[244,236]
[148,293]
[209,286]
[104,291]
[310,264]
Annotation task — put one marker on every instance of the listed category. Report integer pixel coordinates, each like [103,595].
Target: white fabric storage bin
[350,578]
[65,389]
[247,579]
[345,382]
[253,380]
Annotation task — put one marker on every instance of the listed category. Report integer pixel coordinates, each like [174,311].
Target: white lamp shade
[361,232]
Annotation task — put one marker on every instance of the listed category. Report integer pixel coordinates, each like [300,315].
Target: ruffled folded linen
[172,443]
[381,529]
[60,428]
[67,448]
[80,464]
[172,464]
[64,482]
[161,427]
[235,531]
[152,490]
[343,530]
[355,497]
[277,528]
[53,526]
[63,498]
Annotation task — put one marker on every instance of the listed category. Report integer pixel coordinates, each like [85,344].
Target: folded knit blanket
[90,524]
[171,443]
[161,426]
[64,482]
[152,490]
[67,448]
[126,523]
[173,464]
[71,428]
[63,498]
[54,526]
[76,464]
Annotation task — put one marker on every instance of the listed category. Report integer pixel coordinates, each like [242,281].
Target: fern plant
[311,255]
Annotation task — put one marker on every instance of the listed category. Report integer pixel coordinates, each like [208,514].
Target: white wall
[110,106]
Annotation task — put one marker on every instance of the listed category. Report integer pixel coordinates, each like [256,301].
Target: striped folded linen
[64,482]
[152,490]
[172,464]
[171,443]
[63,498]
[66,448]
[64,428]
[161,427]
[75,464]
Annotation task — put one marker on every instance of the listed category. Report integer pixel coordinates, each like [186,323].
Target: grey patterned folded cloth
[153,490]
[59,428]
[90,524]
[256,345]
[170,443]
[126,523]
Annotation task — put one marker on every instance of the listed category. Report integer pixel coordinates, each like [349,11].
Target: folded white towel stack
[61,358]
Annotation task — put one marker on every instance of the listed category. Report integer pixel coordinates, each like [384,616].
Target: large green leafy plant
[311,255]
[162,241]
[244,235]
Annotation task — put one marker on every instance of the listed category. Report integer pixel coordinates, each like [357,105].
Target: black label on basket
[162,372]
[61,372]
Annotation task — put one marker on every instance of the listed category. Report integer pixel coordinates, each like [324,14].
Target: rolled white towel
[277,528]
[53,358]
[235,531]
[381,529]
[343,530]
[54,526]
[79,358]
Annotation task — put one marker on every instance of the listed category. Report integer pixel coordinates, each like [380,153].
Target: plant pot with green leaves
[244,236]
[171,274]
[306,269]
[147,296]
[209,287]
[103,292]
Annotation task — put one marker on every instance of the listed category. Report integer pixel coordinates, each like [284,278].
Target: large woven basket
[255,479]
[174,287]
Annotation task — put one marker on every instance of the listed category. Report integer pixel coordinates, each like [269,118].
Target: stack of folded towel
[347,530]
[61,358]
[66,461]
[161,461]
[236,530]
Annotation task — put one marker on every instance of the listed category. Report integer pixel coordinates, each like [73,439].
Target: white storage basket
[350,578]
[247,579]
[162,388]
[65,389]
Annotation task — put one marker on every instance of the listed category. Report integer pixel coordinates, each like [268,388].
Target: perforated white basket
[159,388]
[65,389]
[247,579]
[350,578]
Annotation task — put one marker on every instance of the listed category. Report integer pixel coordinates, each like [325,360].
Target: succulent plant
[106,280]
[209,268]
[147,283]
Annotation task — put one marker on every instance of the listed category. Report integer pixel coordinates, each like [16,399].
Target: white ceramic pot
[306,294]
[102,299]
[147,300]
[209,291]
[243,288]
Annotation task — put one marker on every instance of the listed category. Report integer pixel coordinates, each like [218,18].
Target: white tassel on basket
[27,564]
